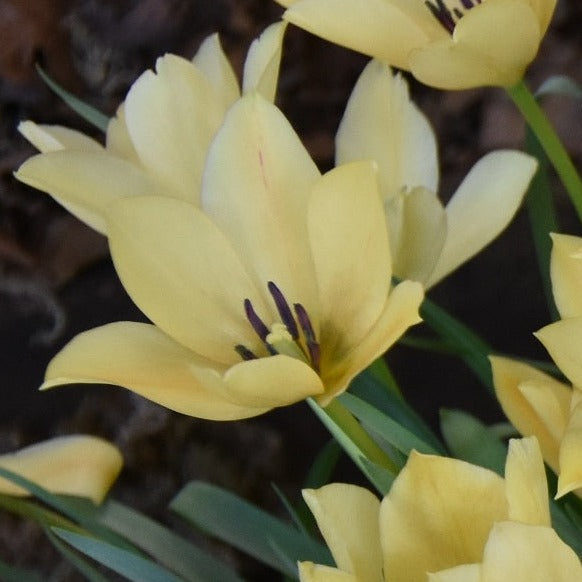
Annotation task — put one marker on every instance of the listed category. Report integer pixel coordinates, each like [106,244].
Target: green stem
[550,142]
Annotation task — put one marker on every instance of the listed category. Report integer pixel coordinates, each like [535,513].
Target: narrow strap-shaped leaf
[560,85]
[233,520]
[10,574]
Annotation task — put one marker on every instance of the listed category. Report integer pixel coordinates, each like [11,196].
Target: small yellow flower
[450,44]
[427,240]
[79,465]
[444,519]
[274,288]
[158,142]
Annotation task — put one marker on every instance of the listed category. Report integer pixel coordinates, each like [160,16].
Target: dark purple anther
[309,334]
[468,4]
[442,14]
[244,353]
[260,328]
[284,310]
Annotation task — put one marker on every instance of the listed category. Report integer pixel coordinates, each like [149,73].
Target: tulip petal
[400,312]
[257,183]
[171,117]
[544,10]
[487,48]
[351,254]
[535,403]
[347,517]
[570,475]
[385,30]
[526,484]
[184,275]
[381,123]
[79,465]
[85,183]
[462,573]
[310,572]
[527,553]
[437,515]
[261,70]
[566,272]
[52,138]
[563,341]
[143,359]
[118,139]
[212,62]
[483,206]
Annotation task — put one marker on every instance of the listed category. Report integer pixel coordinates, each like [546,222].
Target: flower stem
[550,142]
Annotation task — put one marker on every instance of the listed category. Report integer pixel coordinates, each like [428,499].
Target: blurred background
[56,277]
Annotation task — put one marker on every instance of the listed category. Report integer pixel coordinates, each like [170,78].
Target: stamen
[258,325]
[309,334]
[283,309]
[441,13]
[244,352]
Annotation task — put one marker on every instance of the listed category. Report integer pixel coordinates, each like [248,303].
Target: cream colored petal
[384,29]
[271,381]
[184,275]
[381,123]
[492,44]
[422,234]
[347,517]
[211,60]
[261,70]
[527,553]
[525,483]
[570,475]
[349,244]
[544,10]
[118,139]
[566,272]
[85,183]
[52,138]
[437,515]
[483,206]
[463,573]
[79,465]
[257,184]
[171,117]
[400,312]
[563,340]
[310,572]
[535,403]
[143,359]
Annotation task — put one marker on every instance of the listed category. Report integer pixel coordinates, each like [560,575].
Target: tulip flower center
[449,17]
[293,336]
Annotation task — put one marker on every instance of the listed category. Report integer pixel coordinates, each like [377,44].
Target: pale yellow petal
[79,465]
[526,485]
[492,44]
[563,340]
[535,403]
[143,359]
[257,184]
[437,515]
[421,232]
[310,572]
[566,272]
[172,116]
[216,67]
[85,183]
[570,475]
[349,243]
[184,275]
[544,10]
[118,139]
[463,573]
[483,206]
[381,123]
[400,312]
[386,30]
[527,553]
[261,70]
[52,138]
[347,517]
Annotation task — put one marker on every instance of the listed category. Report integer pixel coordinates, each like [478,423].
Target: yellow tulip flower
[79,465]
[450,44]
[158,142]
[443,519]
[428,241]
[275,288]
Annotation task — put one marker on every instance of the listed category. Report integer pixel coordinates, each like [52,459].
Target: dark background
[56,278]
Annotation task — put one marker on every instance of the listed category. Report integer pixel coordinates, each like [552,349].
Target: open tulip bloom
[450,44]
